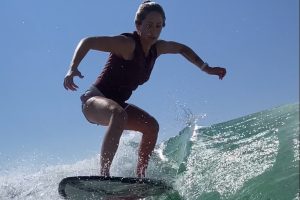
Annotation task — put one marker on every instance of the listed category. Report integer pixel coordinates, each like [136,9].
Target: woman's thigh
[99,110]
[140,120]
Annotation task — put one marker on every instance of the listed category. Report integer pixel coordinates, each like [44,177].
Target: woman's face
[150,28]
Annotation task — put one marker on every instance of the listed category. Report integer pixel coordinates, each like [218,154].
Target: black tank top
[120,77]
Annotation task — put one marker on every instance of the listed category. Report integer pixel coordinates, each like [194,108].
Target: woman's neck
[146,46]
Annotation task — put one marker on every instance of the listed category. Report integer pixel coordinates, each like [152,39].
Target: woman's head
[147,7]
[150,19]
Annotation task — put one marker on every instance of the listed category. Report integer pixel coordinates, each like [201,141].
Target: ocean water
[255,157]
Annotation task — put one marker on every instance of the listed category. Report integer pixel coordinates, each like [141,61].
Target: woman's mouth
[152,37]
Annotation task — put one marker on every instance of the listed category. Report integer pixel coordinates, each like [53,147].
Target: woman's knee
[152,126]
[118,113]
[155,126]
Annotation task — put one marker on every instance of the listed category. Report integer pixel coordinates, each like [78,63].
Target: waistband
[94,91]
[91,92]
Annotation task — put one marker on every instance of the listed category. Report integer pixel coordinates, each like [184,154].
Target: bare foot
[141,171]
[104,172]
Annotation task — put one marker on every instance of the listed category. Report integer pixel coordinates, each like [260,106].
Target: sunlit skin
[149,30]
[106,112]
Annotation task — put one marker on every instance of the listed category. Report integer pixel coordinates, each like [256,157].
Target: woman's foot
[104,172]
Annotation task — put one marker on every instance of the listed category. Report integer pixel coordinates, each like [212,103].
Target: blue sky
[257,41]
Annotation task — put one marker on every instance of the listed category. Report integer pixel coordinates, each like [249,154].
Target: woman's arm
[120,45]
[170,47]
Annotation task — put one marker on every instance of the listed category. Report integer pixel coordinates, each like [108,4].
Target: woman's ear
[138,27]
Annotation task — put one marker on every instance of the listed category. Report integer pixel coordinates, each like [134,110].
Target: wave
[252,157]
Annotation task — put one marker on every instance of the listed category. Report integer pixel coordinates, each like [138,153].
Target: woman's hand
[69,82]
[219,71]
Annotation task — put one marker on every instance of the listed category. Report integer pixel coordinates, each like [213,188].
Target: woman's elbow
[86,43]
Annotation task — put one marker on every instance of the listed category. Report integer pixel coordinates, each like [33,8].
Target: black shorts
[92,92]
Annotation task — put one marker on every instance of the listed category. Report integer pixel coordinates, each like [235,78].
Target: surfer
[130,62]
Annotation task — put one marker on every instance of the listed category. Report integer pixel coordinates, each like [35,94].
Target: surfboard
[101,187]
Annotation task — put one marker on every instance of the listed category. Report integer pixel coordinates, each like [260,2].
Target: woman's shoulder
[161,46]
[127,45]
[166,47]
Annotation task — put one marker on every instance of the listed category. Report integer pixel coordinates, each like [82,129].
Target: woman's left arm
[170,47]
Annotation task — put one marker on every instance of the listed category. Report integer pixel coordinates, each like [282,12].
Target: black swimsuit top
[120,77]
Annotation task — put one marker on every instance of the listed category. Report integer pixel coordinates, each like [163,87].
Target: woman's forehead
[154,17]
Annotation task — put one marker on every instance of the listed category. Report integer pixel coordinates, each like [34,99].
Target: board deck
[97,187]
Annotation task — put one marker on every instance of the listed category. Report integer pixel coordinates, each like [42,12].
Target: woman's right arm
[119,45]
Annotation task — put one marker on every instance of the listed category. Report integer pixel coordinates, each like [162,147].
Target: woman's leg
[140,120]
[103,111]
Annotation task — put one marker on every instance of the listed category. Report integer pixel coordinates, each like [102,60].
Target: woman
[132,57]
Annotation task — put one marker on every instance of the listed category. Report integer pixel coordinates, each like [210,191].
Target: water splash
[255,157]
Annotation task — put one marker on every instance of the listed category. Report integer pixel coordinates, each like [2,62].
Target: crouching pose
[131,60]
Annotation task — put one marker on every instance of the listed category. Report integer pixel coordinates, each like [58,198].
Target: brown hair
[145,8]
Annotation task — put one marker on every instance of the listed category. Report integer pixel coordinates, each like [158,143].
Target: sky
[257,42]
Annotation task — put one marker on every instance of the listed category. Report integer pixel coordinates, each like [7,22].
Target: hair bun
[148,1]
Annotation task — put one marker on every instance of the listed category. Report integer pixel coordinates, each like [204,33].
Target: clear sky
[256,40]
